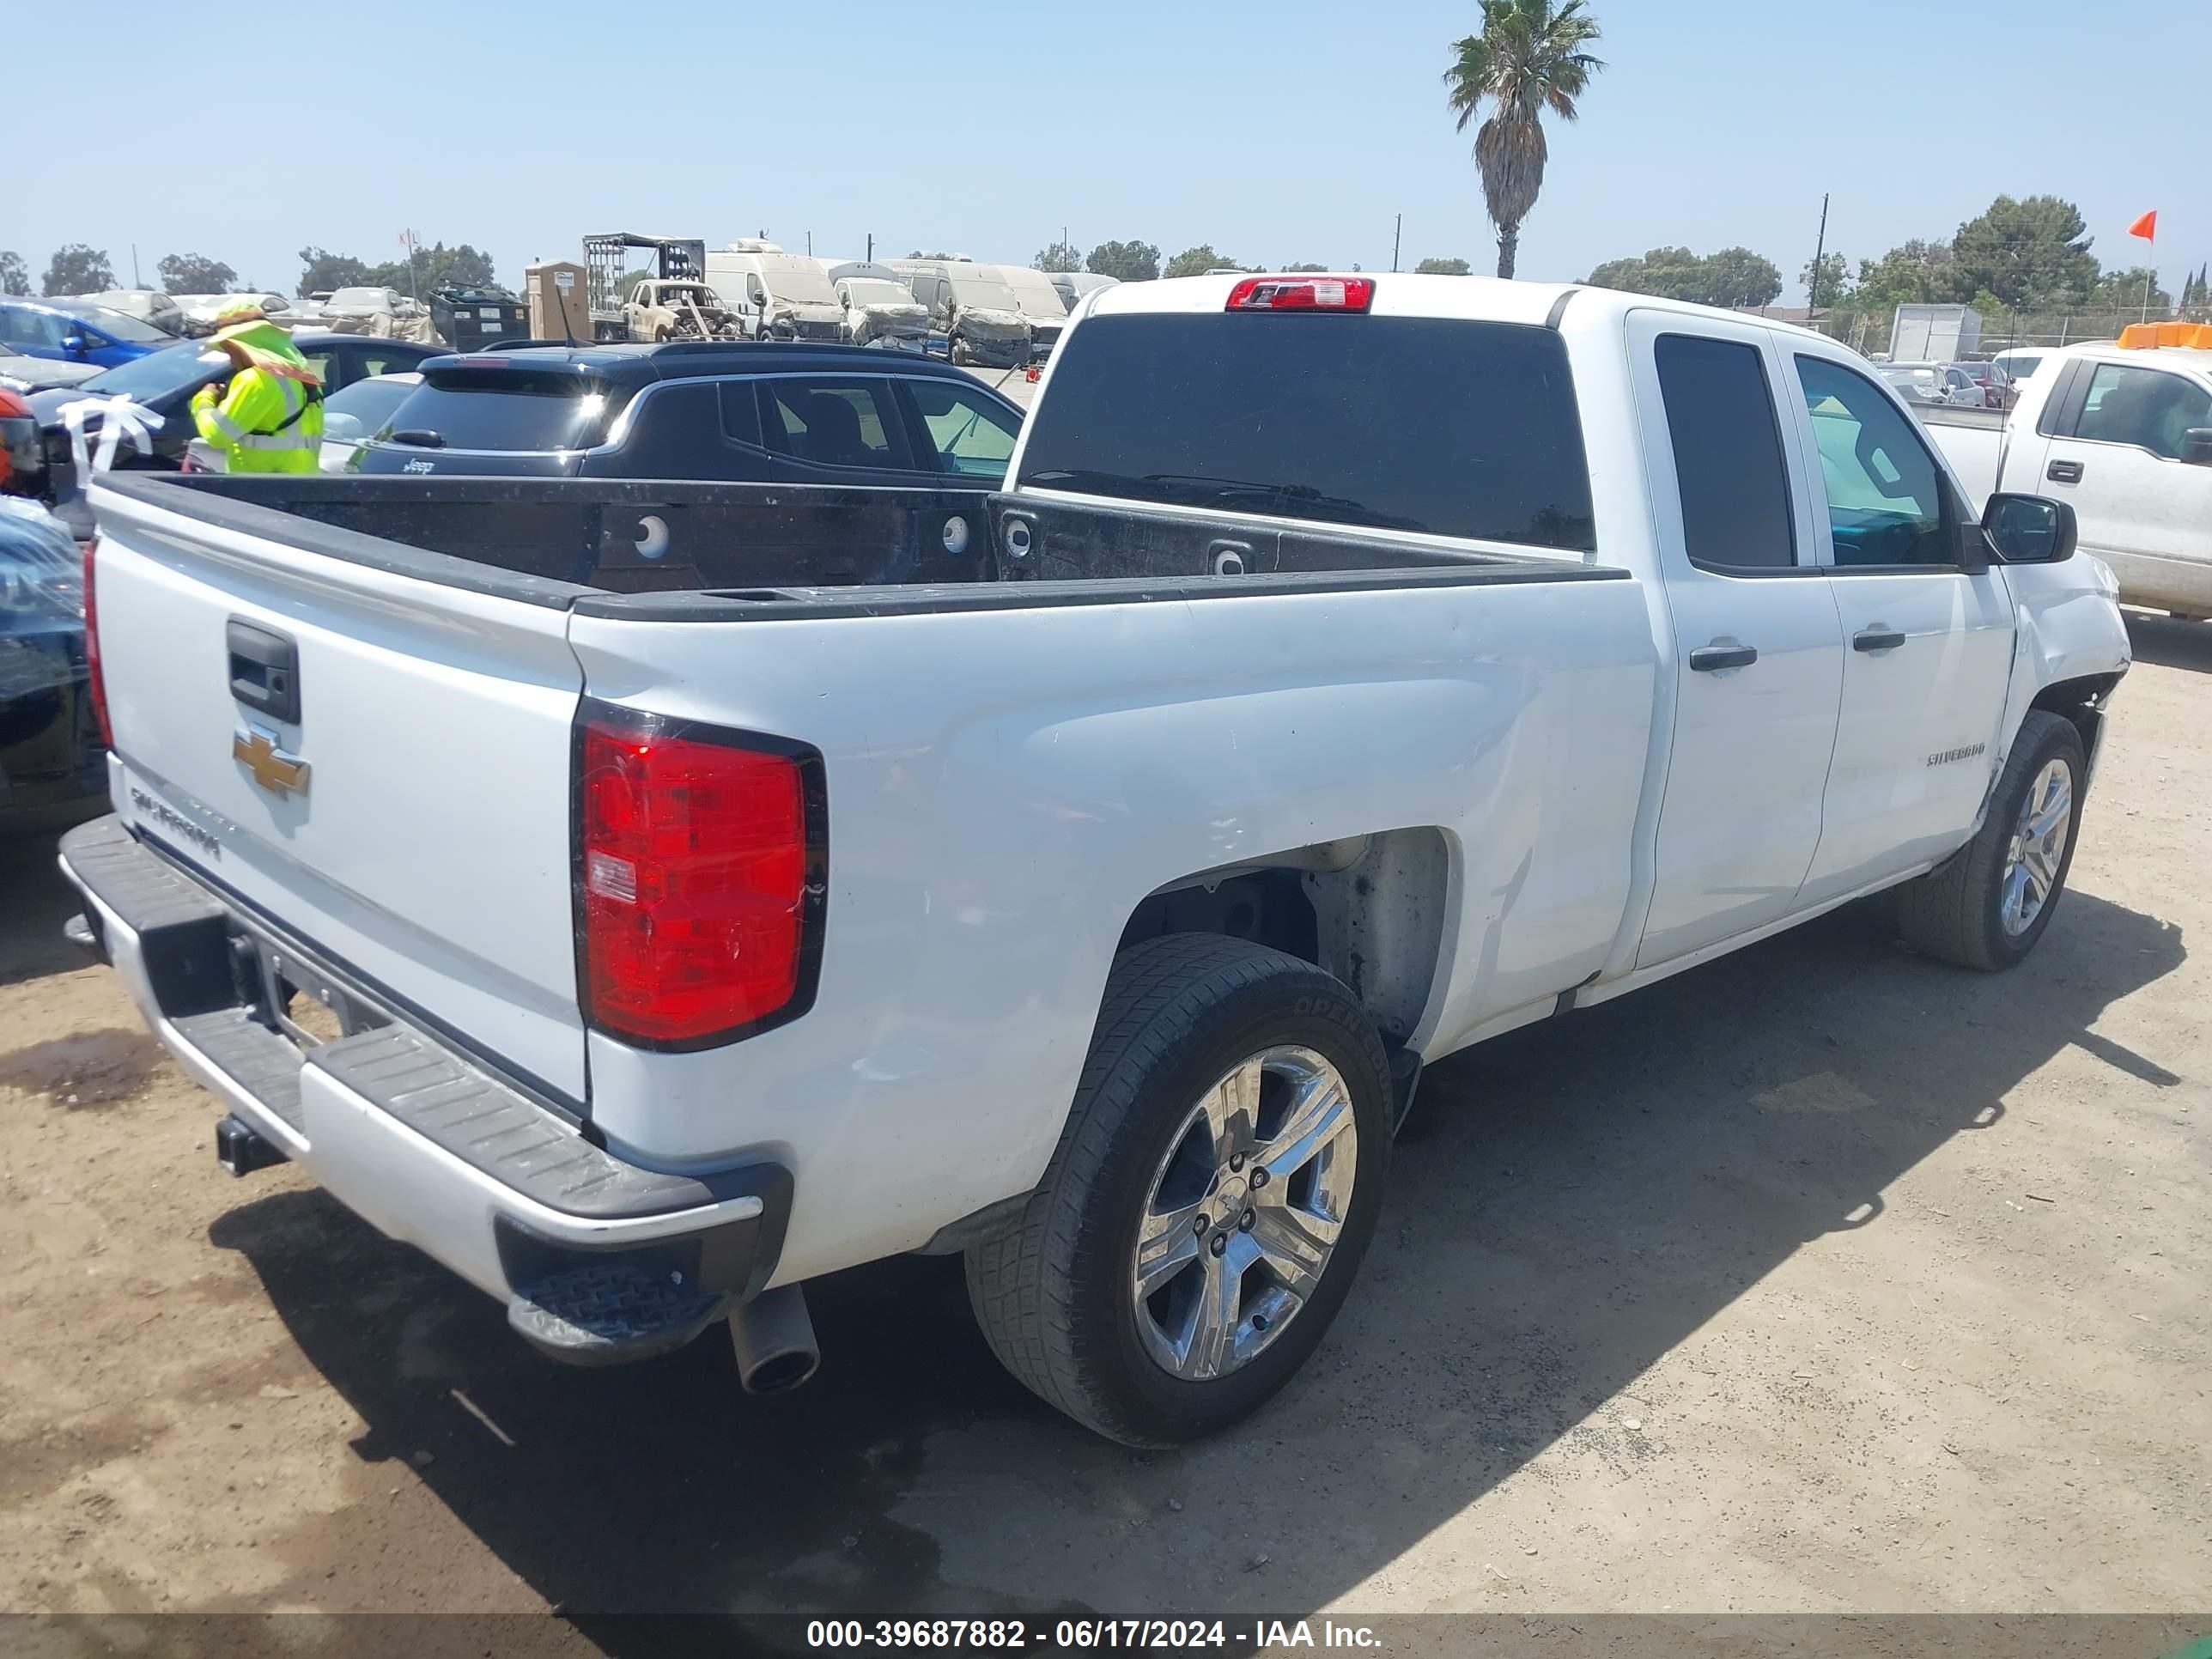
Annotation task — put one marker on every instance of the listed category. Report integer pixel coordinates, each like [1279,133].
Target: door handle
[2063,472]
[1706,658]
[1877,639]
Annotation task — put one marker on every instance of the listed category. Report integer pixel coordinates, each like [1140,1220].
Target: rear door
[1930,641]
[1758,648]
[402,807]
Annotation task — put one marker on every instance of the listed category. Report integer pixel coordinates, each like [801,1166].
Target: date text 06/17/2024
[1065,1635]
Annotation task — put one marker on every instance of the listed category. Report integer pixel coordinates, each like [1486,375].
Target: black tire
[1053,1296]
[1955,912]
[958,346]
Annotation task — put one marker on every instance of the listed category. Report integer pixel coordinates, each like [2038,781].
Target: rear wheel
[1211,1198]
[960,352]
[1986,905]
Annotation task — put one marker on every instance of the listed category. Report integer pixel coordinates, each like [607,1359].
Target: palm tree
[1528,57]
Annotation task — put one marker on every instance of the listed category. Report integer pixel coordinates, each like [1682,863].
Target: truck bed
[668,548]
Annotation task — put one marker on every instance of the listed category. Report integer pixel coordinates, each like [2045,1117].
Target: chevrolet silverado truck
[647,898]
[2124,436]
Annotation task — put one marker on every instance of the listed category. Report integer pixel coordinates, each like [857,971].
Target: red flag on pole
[2146,227]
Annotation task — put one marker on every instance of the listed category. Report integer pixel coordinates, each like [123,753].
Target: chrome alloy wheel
[2037,846]
[1243,1213]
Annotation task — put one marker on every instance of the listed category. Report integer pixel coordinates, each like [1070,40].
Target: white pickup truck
[646,897]
[2125,435]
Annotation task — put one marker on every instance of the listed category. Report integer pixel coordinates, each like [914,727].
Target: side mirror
[75,345]
[2029,529]
[342,429]
[2196,446]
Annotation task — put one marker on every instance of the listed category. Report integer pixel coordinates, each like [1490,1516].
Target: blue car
[74,332]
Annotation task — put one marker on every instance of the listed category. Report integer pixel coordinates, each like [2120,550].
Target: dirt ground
[1822,1279]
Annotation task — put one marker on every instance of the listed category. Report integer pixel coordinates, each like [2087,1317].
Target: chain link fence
[1869,332]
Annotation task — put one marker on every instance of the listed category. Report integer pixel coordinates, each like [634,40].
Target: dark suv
[701,411]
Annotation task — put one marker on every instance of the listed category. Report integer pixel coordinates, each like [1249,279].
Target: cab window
[2145,407]
[1886,501]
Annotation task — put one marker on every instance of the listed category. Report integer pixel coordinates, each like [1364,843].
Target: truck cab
[2124,434]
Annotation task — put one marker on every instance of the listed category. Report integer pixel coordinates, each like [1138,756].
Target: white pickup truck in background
[647,898]
[2123,434]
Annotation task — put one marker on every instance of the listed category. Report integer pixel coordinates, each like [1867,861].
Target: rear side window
[836,423]
[1727,453]
[507,410]
[1454,429]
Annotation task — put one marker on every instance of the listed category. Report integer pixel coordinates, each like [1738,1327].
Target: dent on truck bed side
[1006,789]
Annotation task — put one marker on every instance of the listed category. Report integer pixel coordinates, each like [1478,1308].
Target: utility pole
[809,244]
[1820,250]
[1397,234]
[134,265]
[408,237]
[872,247]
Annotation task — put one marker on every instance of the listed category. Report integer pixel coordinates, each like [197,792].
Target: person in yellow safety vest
[270,418]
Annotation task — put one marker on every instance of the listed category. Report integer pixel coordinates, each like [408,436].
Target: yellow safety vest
[266,422]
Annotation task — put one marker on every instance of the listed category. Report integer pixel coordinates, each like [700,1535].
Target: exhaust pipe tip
[772,1336]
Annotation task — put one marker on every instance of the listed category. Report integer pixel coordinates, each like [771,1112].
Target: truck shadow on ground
[2169,642]
[1573,1201]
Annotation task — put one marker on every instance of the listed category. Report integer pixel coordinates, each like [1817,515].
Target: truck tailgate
[424,846]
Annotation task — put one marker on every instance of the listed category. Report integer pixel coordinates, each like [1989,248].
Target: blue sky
[1291,130]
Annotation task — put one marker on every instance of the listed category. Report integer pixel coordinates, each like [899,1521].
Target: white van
[787,295]
[975,306]
[1073,285]
[1039,301]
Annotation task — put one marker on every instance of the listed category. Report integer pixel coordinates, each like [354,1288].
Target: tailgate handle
[265,670]
[2063,472]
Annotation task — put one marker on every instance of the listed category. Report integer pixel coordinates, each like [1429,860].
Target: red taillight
[1302,294]
[93,676]
[700,879]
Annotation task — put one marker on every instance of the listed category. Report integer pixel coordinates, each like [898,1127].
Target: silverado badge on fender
[278,773]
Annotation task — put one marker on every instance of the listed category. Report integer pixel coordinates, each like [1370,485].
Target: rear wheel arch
[1370,910]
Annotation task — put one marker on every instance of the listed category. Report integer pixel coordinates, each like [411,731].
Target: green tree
[1197,261]
[1444,268]
[1732,277]
[1304,267]
[15,275]
[2196,293]
[2123,290]
[435,267]
[1528,57]
[1060,256]
[77,268]
[1132,262]
[1825,280]
[919,254]
[195,273]
[324,270]
[1736,278]
[2031,254]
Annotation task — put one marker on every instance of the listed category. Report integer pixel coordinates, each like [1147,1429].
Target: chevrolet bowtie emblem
[278,773]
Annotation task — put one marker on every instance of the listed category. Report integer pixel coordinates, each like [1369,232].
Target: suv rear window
[504,409]
[1455,428]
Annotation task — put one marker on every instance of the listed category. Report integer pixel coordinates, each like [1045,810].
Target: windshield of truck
[1455,428]
[157,374]
[797,281]
[974,293]
[502,410]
